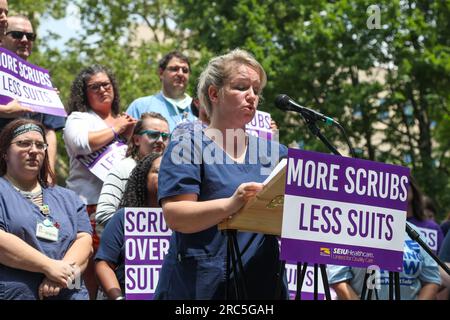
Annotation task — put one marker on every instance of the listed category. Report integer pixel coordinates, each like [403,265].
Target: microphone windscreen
[282,102]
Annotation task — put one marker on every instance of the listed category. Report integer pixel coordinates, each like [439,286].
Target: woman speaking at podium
[207,176]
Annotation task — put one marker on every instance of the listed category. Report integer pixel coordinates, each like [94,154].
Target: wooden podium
[264,213]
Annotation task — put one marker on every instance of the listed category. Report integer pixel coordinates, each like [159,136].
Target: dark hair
[133,149]
[173,54]
[7,135]
[195,110]
[428,203]
[417,200]
[78,100]
[136,193]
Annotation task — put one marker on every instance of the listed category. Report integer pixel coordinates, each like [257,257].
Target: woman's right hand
[124,124]
[242,195]
[60,271]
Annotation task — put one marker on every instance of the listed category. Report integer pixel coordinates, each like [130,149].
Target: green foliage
[387,86]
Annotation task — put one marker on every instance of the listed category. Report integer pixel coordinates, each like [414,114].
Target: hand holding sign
[13,109]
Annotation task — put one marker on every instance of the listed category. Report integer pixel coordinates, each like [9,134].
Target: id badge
[46,230]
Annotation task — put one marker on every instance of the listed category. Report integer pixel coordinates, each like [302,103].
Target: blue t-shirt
[195,266]
[112,246]
[418,267]
[157,103]
[20,216]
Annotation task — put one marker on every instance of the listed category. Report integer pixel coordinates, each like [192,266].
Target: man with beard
[19,38]
[171,102]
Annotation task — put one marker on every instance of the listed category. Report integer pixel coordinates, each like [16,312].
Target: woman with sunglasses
[45,235]
[141,191]
[94,122]
[150,135]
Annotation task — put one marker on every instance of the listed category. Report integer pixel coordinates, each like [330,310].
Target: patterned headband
[27,128]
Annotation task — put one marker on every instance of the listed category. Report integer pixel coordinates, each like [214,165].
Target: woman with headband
[45,234]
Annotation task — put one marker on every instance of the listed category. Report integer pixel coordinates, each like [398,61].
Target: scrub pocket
[196,277]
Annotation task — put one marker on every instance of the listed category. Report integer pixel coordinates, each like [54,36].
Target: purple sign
[146,244]
[260,125]
[28,84]
[307,289]
[101,161]
[344,211]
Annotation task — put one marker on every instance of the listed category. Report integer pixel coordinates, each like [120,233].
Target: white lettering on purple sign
[312,174]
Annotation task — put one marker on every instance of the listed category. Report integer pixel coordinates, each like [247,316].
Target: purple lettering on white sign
[260,125]
[101,161]
[336,202]
[147,240]
[29,84]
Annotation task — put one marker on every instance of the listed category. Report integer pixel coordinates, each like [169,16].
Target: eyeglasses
[175,69]
[18,35]
[27,144]
[96,86]
[154,135]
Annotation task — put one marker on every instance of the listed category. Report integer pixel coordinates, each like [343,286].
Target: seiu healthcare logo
[326,252]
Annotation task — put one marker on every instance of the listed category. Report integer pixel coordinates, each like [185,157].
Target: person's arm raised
[183,213]
[13,110]
[122,125]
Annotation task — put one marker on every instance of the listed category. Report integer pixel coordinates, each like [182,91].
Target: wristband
[116,135]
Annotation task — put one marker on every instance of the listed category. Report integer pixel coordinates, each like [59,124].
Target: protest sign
[101,161]
[29,84]
[260,125]
[344,211]
[146,244]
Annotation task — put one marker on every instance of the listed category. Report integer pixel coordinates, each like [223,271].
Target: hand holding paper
[243,194]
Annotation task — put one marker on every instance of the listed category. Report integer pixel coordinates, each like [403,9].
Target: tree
[388,86]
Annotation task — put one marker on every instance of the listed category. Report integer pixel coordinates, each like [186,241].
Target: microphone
[285,103]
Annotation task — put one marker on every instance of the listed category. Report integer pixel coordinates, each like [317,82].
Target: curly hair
[136,193]
[7,135]
[133,149]
[78,100]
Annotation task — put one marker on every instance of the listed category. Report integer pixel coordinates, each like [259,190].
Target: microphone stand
[311,122]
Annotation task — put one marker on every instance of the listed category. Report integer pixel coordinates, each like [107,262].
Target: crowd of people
[68,243]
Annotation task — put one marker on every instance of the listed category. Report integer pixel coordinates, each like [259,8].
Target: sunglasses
[18,35]
[27,144]
[154,135]
[96,86]
[175,69]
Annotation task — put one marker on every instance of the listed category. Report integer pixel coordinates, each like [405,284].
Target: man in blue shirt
[171,102]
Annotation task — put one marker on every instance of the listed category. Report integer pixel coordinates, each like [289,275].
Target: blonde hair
[220,69]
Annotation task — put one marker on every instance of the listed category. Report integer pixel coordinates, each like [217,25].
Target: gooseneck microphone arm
[310,116]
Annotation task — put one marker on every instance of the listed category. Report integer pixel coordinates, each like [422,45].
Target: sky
[66,28]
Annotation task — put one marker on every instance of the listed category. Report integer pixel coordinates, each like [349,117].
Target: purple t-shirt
[430,232]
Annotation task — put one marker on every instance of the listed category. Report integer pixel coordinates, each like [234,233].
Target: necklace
[35,195]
